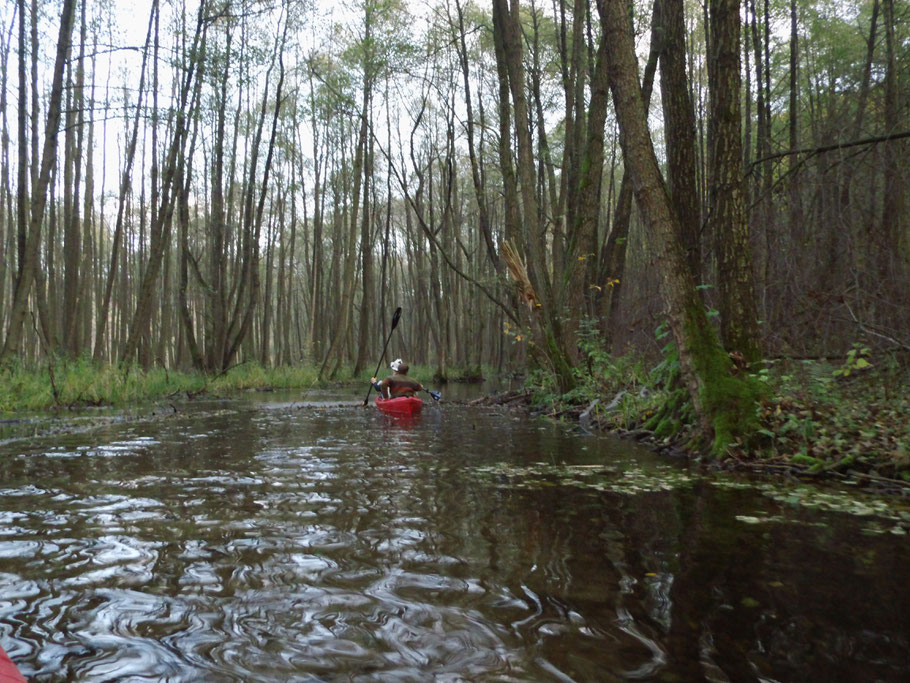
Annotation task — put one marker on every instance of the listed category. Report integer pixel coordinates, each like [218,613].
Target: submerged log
[508,398]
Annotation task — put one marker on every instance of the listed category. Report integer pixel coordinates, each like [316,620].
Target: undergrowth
[626,390]
[815,417]
[827,417]
[66,384]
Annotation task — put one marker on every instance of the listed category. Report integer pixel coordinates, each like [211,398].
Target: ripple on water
[138,446]
[124,637]
[330,544]
[113,561]
[19,549]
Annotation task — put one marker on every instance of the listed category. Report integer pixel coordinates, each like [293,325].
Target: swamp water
[259,540]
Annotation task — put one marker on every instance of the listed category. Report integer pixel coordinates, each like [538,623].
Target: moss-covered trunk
[724,401]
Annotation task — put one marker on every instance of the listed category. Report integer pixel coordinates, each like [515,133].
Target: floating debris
[609,478]
[832,501]
[636,480]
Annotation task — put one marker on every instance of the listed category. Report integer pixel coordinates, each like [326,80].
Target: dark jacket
[398,385]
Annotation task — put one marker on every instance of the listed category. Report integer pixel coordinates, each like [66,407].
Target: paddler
[399,384]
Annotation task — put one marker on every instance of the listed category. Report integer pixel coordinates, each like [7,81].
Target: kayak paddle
[395,319]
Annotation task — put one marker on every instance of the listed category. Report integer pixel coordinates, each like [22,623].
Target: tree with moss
[724,400]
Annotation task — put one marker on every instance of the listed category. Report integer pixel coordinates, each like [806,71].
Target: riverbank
[847,421]
[818,420]
[68,385]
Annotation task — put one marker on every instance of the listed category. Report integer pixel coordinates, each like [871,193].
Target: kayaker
[399,384]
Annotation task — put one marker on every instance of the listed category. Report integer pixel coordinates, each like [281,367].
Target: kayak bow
[400,405]
[9,673]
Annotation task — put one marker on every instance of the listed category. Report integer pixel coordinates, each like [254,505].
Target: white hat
[395,364]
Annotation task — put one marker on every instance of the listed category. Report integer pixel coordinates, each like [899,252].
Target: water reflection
[288,541]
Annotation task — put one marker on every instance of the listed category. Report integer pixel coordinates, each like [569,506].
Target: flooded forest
[611,232]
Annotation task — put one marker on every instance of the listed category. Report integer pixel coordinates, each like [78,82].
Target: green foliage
[471,373]
[254,376]
[83,383]
[543,387]
[856,361]
[630,396]
[817,422]
[666,372]
[599,375]
[728,399]
[384,42]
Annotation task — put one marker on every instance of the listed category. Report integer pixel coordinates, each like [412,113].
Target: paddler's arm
[377,385]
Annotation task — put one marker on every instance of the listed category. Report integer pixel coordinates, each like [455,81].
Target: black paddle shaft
[395,319]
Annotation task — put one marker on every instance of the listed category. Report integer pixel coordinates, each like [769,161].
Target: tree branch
[829,148]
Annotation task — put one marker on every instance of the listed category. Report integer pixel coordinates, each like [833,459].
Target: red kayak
[400,405]
[8,671]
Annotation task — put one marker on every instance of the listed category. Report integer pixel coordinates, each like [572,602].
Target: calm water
[260,540]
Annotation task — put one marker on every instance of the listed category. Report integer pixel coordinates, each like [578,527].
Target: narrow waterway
[266,540]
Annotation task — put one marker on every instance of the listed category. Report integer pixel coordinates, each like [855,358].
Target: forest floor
[847,421]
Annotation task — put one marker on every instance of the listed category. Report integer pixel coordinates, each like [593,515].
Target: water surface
[275,539]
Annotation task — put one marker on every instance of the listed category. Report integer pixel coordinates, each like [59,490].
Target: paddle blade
[435,394]
[396,317]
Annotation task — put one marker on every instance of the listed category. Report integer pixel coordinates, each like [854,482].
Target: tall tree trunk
[39,192]
[253,222]
[552,204]
[761,218]
[281,351]
[7,224]
[613,256]
[512,217]
[217,304]
[72,235]
[483,215]
[797,229]
[895,249]
[174,169]
[335,353]
[291,357]
[186,317]
[581,254]
[679,123]
[312,348]
[545,322]
[573,91]
[88,273]
[22,180]
[265,330]
[723,403]
[126,180]
[727,219]
[863,249]
[366,254]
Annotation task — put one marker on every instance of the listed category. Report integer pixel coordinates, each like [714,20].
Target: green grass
[422,373]
[66,384]
[254,376]
[83,383]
